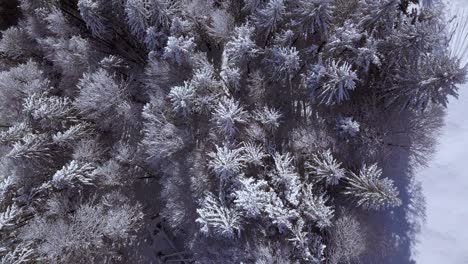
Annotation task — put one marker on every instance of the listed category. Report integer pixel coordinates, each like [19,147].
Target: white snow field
[444,237]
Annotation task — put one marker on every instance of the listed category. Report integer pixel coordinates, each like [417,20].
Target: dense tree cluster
[250,131]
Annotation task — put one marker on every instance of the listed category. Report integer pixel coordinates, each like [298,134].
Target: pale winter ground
[444,237]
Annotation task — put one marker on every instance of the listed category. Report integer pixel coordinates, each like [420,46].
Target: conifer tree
[217,219]
[324,167]
[370,190]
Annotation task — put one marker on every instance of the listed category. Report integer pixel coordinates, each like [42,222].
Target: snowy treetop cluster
[217,131]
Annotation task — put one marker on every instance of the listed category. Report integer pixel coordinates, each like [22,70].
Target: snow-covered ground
[444,237]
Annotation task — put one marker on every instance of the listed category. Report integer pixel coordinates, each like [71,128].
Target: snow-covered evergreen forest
[219,131]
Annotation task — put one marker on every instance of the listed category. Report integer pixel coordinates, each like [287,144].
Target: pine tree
[154,39]
[143,14]
[226,162]
[217,219]
[241,49]
[8,217]
[204,78]
[14,133]
[182,98]
[69,54]
[161,138]
[221,26]
[73,173]
[436,78]
[57,23]
[310,247]
[270,118]
[346,126]
[280,215]
[32,147]
[49,110]
[312,16]
[15,43]
[252,198]
[324,167]
[286,176]
[284,62]
[5,186]
[231,77]
[21,254]
[314,207]
[101,96]
[271,16]
[370,190]
[17,83]
[228,115]
[336,79]
[71,135]
[92,12]
[254,154]
[179,50]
